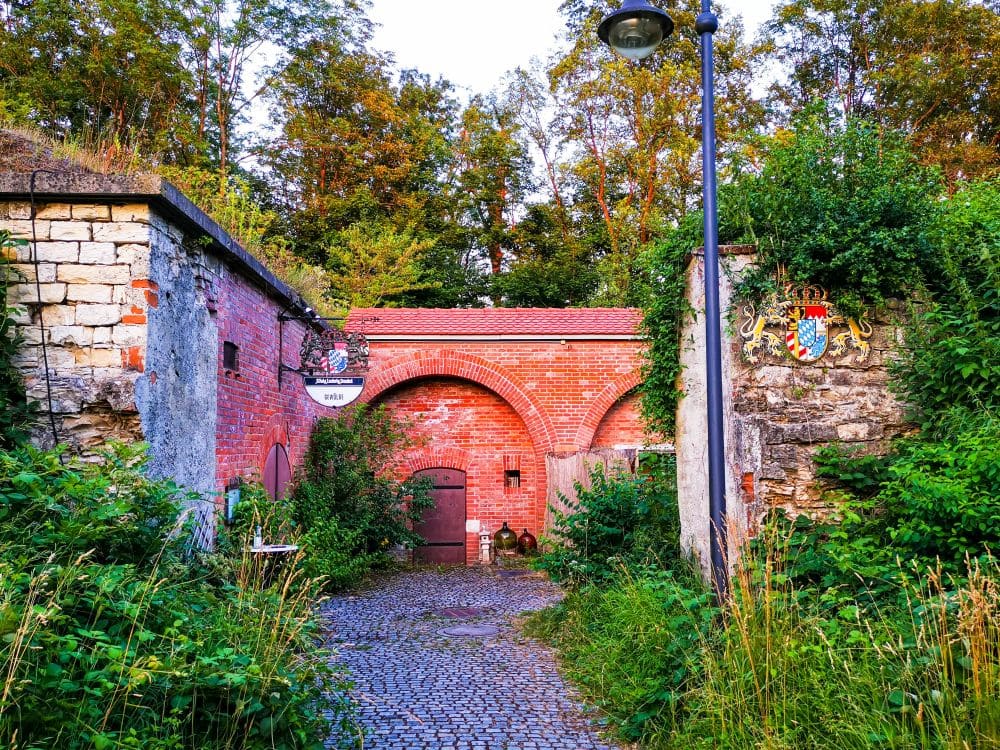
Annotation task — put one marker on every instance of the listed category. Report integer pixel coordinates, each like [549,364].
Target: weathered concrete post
[692,422]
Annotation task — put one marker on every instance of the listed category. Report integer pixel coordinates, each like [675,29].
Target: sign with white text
[334,391]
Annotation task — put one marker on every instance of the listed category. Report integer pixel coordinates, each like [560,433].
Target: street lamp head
[635,29]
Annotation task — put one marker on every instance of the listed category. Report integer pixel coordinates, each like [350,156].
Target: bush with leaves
[838,205]
[618,522]
[950,364]
[349,504]
[113,639]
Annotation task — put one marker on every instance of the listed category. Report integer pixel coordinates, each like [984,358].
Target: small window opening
[512,478]
[230,356]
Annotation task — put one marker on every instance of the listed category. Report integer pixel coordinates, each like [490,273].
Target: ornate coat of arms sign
[336,362]
[810,326]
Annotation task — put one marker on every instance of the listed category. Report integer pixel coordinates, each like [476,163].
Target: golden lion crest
[809,321]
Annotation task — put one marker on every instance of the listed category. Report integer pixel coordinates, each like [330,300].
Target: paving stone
[417,688]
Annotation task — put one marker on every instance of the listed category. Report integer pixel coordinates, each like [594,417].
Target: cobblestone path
[418,687]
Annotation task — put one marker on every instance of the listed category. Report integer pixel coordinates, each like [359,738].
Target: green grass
[772,669]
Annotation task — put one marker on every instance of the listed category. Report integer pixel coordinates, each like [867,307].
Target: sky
[472,44]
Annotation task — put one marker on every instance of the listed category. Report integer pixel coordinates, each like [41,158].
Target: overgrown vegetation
[618,521]
[347,501]
[879,627]
[115,637]
[116,633]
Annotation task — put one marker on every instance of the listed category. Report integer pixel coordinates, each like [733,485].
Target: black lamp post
[635,31]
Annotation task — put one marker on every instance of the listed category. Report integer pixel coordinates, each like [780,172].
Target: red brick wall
[622,425]
[464,426]
[253,414]
[483,403]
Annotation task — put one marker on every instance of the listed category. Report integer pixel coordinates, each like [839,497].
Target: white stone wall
[92,297]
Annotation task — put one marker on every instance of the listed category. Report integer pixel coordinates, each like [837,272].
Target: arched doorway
[443,526]
[277,471]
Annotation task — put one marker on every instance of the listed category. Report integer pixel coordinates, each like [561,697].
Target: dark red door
[276,472]
[443,526]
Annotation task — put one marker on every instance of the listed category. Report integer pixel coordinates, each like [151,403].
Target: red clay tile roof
[506,321]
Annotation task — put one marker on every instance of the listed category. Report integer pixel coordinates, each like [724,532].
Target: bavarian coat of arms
[810,324]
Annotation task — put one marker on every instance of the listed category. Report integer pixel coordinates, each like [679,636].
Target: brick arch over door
[475,369]
[600,406]
[433,458]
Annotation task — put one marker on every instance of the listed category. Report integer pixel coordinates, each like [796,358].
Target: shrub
[111,639]
[619,521]
[346,500]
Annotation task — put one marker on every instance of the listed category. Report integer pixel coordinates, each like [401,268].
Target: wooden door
[443,526]
[277,471]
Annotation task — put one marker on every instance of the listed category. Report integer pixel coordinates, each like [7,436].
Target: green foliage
[924,67]
[632,645]
[951,360]
[113,639]
[15,411]
[841,206]
[663,320]
[617,522]
[350,507]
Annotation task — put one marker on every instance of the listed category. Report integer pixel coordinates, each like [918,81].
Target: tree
[374,265]
[629,132]
[931,69]
[108,68]
[493,177]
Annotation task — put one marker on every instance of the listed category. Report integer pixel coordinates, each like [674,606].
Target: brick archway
[607,398]
[433,458]
[472,368]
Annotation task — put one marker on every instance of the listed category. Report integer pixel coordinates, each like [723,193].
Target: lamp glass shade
[636,29]
[635,38]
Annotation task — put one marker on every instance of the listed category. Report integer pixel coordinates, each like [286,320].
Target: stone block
[855,431]
[58,252]
[55,211]
[67,394]
[131,212]
[137,257]
[75,335]
[58,315]
[31,335]
[18,253]
[98,315]
[26,272]
[126,336]
[102,335]
[20,315]
[121,231]
[85,212]
[70,230]
[94,357]
[783,434]
[22,228]
[51,294]
[27,358]
[19,210]
[98,252]
[79,274]
[99,293]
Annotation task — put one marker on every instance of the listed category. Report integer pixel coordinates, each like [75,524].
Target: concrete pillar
[691,437]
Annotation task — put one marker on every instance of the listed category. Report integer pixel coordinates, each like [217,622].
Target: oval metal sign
[334,391]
